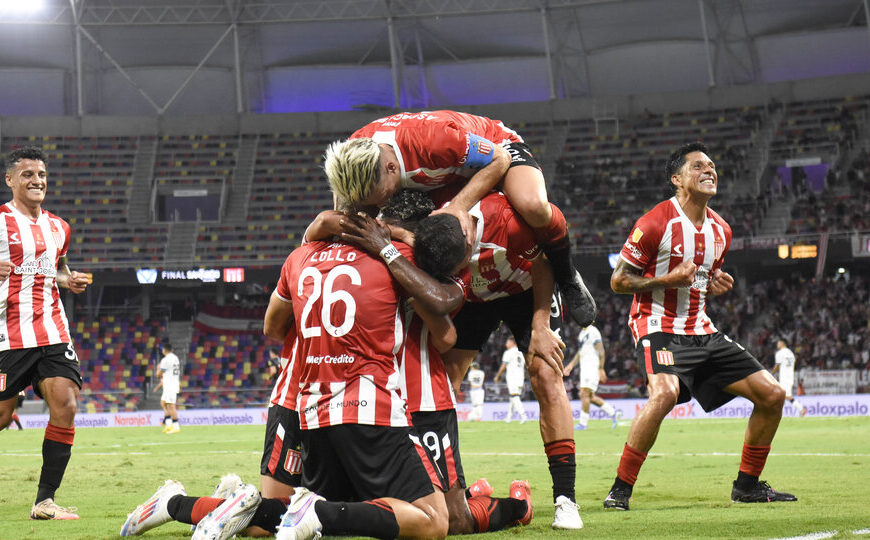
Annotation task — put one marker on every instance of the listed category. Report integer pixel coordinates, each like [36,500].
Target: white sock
[584,418]
[167,422]
[798,405]
[517,405]
[608,409]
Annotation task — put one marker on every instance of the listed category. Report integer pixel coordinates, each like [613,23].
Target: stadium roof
[151,57]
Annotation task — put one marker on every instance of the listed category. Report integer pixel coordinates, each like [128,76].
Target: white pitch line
[812,536]
[861,532]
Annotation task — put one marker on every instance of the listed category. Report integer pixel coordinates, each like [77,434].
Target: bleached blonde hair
[353,168]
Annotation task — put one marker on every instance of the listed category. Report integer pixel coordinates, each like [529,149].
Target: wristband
[390,253]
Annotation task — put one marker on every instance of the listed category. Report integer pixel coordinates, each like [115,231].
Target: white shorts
[169,395]
[787,384]
[514,388]
[589,375]
[477,396]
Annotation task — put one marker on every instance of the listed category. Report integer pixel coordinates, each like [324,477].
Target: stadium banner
[832,405]
[838,405]
[828,381]
[154,418]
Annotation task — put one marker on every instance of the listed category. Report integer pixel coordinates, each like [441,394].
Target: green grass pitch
[683,490]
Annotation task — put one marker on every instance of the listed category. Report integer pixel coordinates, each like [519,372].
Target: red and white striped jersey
[286,387]
[504,249]
[661,239]
[436,148]
[424,382]
[31,313]
[349,326]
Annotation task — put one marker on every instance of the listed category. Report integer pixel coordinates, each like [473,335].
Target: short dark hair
[439,245]
[678,158]
[167,346]
[26,152]
[407,207]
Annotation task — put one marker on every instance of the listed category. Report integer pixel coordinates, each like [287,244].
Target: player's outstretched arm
[626,279]
[371,236]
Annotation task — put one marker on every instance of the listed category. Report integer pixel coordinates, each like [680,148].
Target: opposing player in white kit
[170,380]
[477,394]
[785,362]
[590,356]
[513,364]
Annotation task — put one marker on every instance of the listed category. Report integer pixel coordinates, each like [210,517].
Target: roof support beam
[711,78]
[548,54]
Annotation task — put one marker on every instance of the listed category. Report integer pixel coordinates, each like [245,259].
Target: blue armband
[480,152]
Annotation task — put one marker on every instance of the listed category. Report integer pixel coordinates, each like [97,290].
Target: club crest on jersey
[665,357]
[483,147]
[718,248]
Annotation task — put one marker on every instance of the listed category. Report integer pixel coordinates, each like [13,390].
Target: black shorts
[354,463]
[705,365]
[521,154]
[282,451]
[477,320]
[20,368]
[437,432]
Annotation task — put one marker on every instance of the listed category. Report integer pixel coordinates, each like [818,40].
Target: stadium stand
[602,179]
[118,357]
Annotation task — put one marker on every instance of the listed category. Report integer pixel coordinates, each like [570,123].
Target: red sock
[753,459]
[629,464]
[555,232]
[479,507]
[202,507]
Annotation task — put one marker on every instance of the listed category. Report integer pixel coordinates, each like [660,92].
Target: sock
[553,238]
[563,467]
[753,459]
[584,419]
[175,423]
[17,420]
[629,465]
[495,514]
[517,406]
[608,409]
[167,420]
[797,404]
[373,518]
[56,451]
[191,510]
[268,514]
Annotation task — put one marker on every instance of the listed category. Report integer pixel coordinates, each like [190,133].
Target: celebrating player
[431,149]
[671,263]
[506,280]
[590,356]
[35,345]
